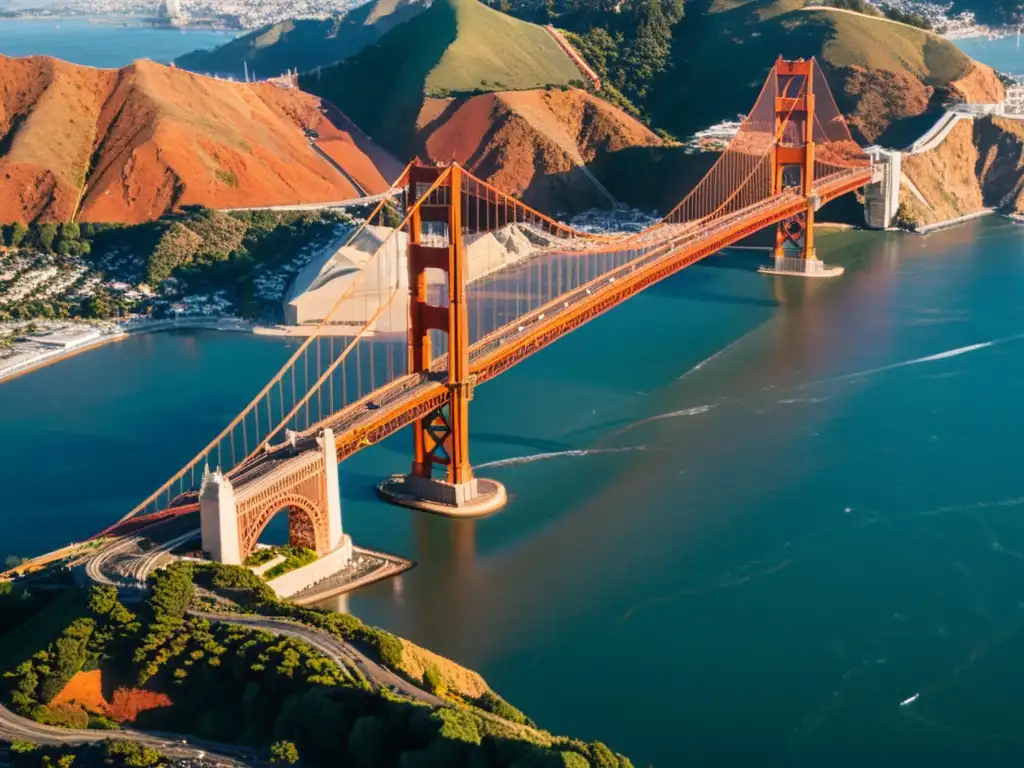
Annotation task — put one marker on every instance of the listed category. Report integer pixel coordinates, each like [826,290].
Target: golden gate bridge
[444,301]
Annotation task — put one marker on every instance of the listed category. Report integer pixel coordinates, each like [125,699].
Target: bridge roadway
[410,397]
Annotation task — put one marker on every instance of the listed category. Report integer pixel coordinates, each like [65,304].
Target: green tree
[45,234]
[131,754]
[284,753]
[17,233]
[368,742]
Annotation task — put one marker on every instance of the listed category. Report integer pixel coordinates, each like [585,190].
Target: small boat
[911,700]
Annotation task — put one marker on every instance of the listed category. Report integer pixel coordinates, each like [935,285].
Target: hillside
[979,165]
[302,44]
[133,144]
[455,47]
[884,74]
[535,144]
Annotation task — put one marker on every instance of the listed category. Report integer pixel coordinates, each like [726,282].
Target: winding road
[16,728]
[339,651]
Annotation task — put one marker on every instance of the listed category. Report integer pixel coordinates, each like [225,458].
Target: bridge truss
[459,282]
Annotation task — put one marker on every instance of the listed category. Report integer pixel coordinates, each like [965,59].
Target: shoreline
[46,359]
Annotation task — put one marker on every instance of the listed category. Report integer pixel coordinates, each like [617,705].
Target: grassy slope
[495,52]
[726,47]
[456,46]
[303,44]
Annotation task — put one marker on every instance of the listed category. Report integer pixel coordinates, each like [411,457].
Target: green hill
[723,49]
[303,44]
[455,47]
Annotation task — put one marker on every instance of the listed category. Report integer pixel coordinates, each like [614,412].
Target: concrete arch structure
[233,519]
[307,524]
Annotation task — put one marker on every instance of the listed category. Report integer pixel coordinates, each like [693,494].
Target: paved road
[16,728]
[333,647]
[146,564]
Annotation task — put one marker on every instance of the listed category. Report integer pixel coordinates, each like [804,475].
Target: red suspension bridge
[470,282]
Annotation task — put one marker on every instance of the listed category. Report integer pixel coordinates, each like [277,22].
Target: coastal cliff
[979,165]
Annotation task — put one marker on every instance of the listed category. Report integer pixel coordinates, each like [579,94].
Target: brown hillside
[535,144]
[979,165]
[139,142]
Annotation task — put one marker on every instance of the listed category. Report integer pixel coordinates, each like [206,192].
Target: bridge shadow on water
[692,283]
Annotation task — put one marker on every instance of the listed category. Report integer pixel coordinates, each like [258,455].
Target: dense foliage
[203,249]
[628,44]
[239,685]
[86,642]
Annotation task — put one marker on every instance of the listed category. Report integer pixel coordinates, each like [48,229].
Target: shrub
[284,753]
[131,754]
[493,703]
[433,680]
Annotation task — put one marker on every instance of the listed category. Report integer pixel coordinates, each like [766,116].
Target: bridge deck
[413,396]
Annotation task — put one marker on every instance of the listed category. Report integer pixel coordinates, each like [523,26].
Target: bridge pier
[441,439]
[794,252]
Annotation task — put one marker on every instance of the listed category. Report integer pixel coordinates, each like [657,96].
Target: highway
[16,728]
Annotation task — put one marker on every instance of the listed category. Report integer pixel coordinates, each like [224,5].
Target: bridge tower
[442,479]
[795,102]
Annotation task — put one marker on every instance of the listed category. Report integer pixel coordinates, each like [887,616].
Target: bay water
[102,43]
[752,520]
[749,516]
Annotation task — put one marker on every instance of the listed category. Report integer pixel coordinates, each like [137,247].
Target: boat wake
[921,360]
[556,455]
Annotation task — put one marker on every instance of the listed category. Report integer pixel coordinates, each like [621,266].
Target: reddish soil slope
[85,691]
[133,144]
[530,143]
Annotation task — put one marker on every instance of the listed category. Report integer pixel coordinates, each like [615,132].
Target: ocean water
[101,44]
[1005,54]
[749,516]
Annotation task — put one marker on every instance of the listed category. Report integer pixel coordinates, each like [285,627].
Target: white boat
[911,700]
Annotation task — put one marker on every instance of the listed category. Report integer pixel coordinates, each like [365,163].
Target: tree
[368,742]
[284,753]
[17,234]
[131,754]
[45,234]
[433,680]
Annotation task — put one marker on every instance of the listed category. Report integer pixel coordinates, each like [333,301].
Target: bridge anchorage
[458,282]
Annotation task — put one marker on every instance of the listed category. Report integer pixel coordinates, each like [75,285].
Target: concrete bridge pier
[882,195]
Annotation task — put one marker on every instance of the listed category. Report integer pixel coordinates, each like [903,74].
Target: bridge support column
[794,252]
[218,519]
[336,537]
[441,439]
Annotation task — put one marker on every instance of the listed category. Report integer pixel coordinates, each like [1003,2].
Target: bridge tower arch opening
[442,478]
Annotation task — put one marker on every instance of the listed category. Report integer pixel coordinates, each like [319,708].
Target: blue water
[1005,54]
[800,503]
[101,44]
[815,511]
